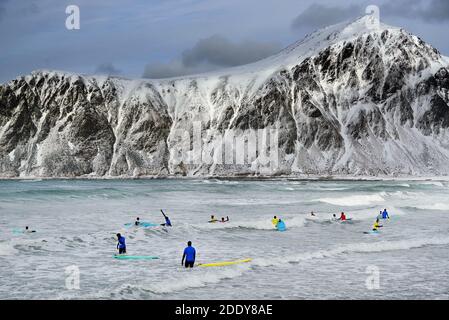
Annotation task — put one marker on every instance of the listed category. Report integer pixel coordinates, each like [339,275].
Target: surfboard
[142,224]
[225,263]
[371,232]
[126,257]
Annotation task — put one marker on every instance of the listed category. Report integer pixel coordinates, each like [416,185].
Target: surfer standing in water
[189,255]
[223,219]
[342,217]
[275,221]
[121,245]
[213,219]
[137,221]
[376,225]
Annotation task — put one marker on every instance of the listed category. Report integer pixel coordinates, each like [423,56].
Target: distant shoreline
[240,178]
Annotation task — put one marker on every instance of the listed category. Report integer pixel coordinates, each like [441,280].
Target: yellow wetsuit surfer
[376,225]
[213,219]
[275,221]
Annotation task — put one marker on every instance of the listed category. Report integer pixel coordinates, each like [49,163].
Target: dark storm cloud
[218,50]
[319,15]
[108,69]
[173,69]
[212,53]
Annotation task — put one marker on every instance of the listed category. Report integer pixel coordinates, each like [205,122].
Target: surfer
[121,245]
[275,221]
[27,230]
[280,225]
[189,255]
[167,221]
[342,217]
[376,225]
[334,217]
[212,219]
[137,221]
[385,214]
[312,214]
[223,219]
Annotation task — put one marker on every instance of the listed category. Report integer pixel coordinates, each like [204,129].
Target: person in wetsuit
[213,219]
[121,245]
[27,230]
[189,256]
[167,220]
[137,221]
[376,225]
[223,219]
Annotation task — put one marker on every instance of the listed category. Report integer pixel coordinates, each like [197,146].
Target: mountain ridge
[346,100]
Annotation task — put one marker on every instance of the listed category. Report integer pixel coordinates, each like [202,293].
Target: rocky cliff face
[349,99]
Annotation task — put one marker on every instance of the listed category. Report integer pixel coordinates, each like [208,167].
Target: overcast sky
[162,38]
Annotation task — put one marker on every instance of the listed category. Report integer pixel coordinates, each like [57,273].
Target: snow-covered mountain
[353,99]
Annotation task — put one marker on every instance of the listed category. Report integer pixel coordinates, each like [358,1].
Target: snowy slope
[348,99]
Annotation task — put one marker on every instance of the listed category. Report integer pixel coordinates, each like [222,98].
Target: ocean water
[76,222]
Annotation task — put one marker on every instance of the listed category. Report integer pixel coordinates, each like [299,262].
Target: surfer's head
[118,235]
[137,218]
[26,228]
[189,243]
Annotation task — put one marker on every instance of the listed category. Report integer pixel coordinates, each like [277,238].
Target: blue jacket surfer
[189,255]
[121,245]
[280,225]
[385,214]
[167,220]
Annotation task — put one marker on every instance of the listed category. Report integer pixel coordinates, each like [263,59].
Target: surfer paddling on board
[167,221]
[213,219]
[121,245]
[189,256]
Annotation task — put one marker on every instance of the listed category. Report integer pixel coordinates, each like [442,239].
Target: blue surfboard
[141,224]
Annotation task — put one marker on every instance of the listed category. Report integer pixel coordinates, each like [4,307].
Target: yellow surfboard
[225,263]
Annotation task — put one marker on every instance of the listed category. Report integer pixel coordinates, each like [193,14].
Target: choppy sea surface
[316,258]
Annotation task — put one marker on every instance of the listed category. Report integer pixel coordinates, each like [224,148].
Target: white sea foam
[356,200]
[355,248]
